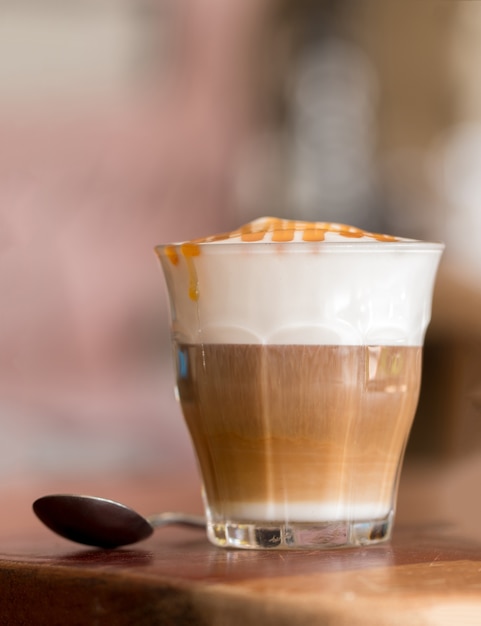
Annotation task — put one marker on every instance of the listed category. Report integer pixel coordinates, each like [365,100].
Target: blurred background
[127,123]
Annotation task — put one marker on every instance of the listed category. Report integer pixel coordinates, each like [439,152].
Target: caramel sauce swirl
[282,230]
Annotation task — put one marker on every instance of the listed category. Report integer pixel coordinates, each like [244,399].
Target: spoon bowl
[103,523]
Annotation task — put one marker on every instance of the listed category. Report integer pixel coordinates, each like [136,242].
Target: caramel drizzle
[285,230]
[188,250]
[282,231]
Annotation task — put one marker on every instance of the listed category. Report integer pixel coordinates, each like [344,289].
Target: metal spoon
[103,523]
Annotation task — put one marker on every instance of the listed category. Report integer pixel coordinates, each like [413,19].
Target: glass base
[299,535]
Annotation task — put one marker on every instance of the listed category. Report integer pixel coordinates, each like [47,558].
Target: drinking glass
[298,365]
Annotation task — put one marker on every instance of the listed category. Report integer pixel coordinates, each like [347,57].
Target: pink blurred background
[120,128]
[127,123]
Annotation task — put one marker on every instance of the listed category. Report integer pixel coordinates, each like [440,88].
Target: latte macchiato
[298,355]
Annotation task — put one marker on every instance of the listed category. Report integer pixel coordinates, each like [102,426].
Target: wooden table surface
[430,573]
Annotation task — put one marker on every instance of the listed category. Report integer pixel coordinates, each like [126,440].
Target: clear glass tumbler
[298,369]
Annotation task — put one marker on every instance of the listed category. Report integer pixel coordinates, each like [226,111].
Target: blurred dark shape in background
[127,123]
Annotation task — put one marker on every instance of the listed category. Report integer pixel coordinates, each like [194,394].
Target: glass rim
[307,246]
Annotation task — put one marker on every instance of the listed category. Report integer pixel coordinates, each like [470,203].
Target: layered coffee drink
[298,356]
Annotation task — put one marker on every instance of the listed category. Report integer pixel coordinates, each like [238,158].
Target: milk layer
[335,286]
[304,511]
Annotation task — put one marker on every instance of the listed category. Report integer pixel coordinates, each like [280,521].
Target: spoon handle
[184,519]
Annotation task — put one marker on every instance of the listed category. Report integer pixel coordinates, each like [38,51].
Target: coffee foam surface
[278,281]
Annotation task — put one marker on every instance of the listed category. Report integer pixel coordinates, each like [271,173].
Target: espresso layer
[306,431]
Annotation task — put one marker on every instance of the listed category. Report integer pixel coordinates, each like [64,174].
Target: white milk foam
[286,282]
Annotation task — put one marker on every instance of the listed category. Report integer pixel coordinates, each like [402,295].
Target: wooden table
[429,574]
